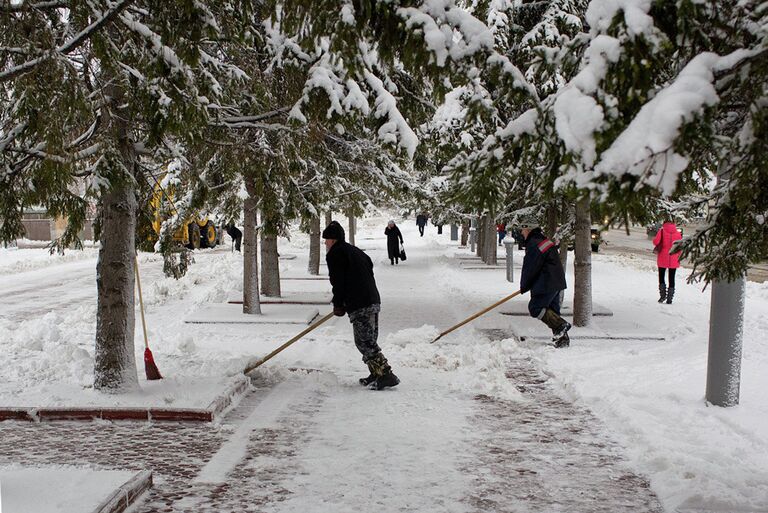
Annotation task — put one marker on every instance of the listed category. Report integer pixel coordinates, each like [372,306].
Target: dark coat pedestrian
[544,277]
[421,222]
[393,246]
[236,235]
[355,293]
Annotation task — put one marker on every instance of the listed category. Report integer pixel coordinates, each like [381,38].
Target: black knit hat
[334,231]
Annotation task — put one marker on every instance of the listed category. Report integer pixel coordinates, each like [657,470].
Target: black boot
[670,295]
[559,327]
[367,381]
[663,292]
[381,372]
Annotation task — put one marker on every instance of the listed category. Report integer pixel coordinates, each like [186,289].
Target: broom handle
[478,314]
[294,339]
[141,301]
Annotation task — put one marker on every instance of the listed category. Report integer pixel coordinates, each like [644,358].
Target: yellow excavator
[196,232]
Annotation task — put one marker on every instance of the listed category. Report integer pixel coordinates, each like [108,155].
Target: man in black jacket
[355,293]
[543,275]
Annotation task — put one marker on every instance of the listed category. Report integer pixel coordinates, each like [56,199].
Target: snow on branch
[578,116]
[396,130]
[647,147]
[163,52]
[8,6]
[601,14]
[70,45]
[449,31]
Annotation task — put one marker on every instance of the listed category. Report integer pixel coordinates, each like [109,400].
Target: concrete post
[472,234]
[509,245]
[726,321]
[454,231]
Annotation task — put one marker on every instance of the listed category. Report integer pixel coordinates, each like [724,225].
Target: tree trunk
[270,264]
[314,246]
[328,218]
[464,232]
[490,241]
[251,302]
[582,265]
[480,234]
[351,234]
[564,214]
[114,355]
[552,213]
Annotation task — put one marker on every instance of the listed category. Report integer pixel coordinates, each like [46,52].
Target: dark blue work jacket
[542,271]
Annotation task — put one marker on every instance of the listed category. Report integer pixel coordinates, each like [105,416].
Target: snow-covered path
[474,426]
[481,422]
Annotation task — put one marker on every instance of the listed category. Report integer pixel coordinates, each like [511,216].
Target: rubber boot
[670,295]
[662,292]
[381,372]
[559,327]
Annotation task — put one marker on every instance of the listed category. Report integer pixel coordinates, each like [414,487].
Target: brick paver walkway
[546,455]
[543,455]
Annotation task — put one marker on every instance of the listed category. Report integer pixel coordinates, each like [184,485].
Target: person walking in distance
[666,261]
[544,277]
[355,294]
[393,247]
[234,232]
[501,229]
[421,222]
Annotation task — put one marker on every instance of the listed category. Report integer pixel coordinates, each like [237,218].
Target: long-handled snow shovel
[150,368]
[320,321]
[478,314]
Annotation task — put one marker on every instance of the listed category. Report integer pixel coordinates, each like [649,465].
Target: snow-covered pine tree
[92,89]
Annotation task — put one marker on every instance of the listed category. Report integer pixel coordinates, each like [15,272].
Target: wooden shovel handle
[320,321]
[475,316]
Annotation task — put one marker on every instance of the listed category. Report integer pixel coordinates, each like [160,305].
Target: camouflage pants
[365,327]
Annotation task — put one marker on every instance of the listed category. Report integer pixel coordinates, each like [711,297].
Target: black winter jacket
[542,271]
[351,274]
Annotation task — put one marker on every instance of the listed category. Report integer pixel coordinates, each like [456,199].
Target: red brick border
[124,497]
[215,409]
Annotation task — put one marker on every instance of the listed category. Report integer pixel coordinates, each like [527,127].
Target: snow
[449,31]
[648,393]
[646,147]
[601,13]
[60,489]
[578,116]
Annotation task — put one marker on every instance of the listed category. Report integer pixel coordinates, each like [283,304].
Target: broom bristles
[150,367]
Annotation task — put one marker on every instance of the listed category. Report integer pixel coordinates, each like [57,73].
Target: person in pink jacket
[665,237]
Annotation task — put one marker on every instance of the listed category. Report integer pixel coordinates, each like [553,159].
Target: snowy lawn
[62,489]
[649,393]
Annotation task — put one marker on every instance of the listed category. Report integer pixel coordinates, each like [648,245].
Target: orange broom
[150,368]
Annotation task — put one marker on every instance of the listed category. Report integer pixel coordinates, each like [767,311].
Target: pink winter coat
[667,235]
